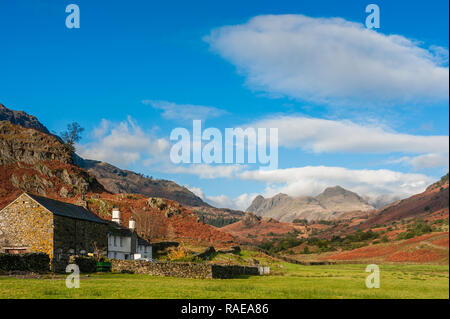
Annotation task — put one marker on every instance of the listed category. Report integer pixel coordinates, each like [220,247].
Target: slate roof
[143,242]
[67,210]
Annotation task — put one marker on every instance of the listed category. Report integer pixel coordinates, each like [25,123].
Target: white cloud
[331,60]
[173,111]
[122,144]
[196,190]
[311,180]
[424,161]
[320,135]
[378,186]
[205,171]
[241,202]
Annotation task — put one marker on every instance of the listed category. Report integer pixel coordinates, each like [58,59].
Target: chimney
[132,224]
[116,215]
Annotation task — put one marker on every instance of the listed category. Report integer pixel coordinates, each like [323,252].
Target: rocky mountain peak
[331,203]
[21,118]
[337,191]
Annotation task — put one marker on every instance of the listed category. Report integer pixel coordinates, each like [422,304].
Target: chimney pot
[132,224]
[116,215]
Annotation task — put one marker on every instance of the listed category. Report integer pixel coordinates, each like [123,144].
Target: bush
[417,229]
[86,264]
[180,254]
[33,262]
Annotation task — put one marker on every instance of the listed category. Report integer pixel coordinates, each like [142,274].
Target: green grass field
[287,281]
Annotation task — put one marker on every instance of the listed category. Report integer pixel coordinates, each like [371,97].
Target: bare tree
[150,225]
[72,135]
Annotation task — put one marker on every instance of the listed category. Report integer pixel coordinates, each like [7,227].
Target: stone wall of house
[26,224]
[75,236]
[183,270]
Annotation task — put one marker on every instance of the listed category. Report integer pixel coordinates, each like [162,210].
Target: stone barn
[33,223]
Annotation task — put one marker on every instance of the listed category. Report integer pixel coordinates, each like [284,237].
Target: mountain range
[333,203]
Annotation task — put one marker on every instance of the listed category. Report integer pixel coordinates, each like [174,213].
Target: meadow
[286,281]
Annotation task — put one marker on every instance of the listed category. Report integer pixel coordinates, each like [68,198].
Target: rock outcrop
[21,118]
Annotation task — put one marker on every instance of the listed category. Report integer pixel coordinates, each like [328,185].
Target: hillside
[159,219]
[120,181]
[429,248]
[434,199]
[252,229]
[114,179]
[333,203]
[39,163]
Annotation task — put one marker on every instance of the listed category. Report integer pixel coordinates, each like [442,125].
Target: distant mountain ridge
[119,181]
[332,203]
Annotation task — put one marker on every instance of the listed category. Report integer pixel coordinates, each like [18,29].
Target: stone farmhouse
[124,243]
[34,223]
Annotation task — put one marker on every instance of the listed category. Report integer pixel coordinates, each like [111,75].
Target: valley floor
[286,281]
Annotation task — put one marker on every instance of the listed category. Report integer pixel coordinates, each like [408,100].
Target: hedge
[86,264]
[33,262]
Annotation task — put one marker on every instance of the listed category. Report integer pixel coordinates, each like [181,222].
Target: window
[121,244]
[115,240]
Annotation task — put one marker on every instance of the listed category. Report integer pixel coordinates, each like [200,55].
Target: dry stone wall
[182,270]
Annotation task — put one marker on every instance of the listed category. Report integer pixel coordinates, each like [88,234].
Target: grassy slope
[288,281]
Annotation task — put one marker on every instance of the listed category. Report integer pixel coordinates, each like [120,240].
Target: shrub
[179,254]
[417,229]
[86,264]
[33,262]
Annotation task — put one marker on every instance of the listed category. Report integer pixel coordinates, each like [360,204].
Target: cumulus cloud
[196,190]
[240,202]
[205,171]
[312,180]
[173,111]
[122,144]
[424,161]
[321,135]
[331,60]
[378,186]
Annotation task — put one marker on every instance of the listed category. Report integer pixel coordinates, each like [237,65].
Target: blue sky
[366,110]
